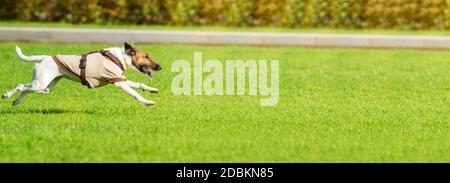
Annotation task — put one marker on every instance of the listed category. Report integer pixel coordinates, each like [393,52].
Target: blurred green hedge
[404,14]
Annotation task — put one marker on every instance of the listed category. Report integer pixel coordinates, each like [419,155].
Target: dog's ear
[129,50]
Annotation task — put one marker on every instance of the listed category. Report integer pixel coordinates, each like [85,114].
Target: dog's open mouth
[146,69]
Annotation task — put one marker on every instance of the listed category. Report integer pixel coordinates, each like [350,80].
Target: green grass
[336,105]
[228,29]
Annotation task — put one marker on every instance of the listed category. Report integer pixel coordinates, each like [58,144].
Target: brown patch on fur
[141,58]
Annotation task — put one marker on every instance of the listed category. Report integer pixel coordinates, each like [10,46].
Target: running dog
[94,69]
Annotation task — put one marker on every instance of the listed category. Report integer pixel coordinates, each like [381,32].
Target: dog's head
[141,60]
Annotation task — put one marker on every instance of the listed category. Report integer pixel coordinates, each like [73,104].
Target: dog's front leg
[127,88]
[142,86]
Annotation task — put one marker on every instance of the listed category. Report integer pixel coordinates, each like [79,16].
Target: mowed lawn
[336,105]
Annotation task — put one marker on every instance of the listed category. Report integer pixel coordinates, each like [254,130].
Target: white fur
[47,73]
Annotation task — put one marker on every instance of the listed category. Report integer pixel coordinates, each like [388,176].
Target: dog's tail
[23,57]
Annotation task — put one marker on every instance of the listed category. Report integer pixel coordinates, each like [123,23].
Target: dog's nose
[158,68]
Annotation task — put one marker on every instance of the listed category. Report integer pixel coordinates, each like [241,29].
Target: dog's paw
[5,96]
[148,103]
[154,90]
[16,102]
[151,90]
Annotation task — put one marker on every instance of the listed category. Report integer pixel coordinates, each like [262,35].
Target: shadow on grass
[46,111]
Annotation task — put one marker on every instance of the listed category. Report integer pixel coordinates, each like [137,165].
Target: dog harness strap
[58,62]
[111,57]
[83,70]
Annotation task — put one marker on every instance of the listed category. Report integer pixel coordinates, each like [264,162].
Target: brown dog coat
[99,69]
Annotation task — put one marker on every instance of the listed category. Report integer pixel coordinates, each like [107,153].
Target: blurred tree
[401,14]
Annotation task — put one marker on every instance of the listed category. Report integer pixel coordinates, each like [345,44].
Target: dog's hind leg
[20,98]
[31,89]
[40,89]
[53,83]
[45,76]
[19,88]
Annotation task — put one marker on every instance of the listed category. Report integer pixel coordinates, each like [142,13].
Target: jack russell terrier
[94,69]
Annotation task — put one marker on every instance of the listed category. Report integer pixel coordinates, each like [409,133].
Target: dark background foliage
[403,14]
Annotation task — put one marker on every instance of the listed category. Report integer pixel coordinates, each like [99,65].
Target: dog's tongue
[149,73]
[146,71]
